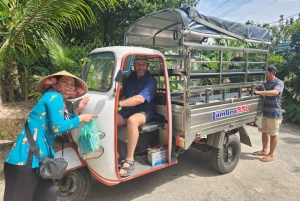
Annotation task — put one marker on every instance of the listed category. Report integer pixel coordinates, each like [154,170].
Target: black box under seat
[145,141]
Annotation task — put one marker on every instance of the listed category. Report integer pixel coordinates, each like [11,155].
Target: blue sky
[260,11]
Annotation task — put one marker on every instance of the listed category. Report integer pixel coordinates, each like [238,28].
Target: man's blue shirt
[146,87]
[272,108]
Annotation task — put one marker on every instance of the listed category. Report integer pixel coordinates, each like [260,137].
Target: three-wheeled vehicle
[202,66]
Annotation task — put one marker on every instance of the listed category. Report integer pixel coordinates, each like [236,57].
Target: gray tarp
[163,27]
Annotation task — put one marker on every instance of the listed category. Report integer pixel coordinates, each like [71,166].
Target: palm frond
[39,17]
[4,11]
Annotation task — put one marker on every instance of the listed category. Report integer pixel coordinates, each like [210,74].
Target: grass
[10,128]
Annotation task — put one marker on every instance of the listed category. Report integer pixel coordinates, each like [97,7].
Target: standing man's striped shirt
[272,107]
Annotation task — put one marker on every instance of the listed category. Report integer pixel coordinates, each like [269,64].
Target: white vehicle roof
[120,51]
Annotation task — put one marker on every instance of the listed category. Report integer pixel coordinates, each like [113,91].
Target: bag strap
[33,147]
[62,145]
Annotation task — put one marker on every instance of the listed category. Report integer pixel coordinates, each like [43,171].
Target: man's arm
[147,94]
[275,92]
[132,101]
[267,93]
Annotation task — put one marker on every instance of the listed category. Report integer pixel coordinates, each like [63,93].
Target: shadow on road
[249,156]
[191,163]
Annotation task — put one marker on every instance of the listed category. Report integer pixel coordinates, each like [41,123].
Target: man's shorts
[270,126]
[126,114]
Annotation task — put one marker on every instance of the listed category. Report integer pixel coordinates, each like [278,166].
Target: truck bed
[200,118]
[212,98]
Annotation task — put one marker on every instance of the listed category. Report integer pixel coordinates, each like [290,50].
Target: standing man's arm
[275,92]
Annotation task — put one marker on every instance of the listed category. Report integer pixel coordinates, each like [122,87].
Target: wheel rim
[229,154]
[72,191]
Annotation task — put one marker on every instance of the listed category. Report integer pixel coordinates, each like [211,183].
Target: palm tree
[25,23]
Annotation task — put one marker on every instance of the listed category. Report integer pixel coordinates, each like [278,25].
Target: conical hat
[79,82]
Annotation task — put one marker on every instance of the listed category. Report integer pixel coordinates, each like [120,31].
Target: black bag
[50,168]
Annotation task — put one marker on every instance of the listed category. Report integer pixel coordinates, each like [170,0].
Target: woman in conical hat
[48,118]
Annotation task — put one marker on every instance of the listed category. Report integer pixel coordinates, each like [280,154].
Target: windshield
[99,70]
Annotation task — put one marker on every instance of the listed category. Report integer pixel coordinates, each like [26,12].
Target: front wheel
[226,159]
[74,186]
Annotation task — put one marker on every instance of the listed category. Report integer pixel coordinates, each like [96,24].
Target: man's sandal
[128,169]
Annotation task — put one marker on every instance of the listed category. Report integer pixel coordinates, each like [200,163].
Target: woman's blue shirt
[46,120]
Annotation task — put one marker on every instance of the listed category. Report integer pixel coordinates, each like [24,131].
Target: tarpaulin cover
[163,27]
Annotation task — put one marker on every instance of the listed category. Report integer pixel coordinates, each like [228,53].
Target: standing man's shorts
[270,126]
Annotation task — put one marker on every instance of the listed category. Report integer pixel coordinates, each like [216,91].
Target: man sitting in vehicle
[137,107]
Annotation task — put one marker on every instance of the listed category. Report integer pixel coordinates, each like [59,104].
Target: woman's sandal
[128,169]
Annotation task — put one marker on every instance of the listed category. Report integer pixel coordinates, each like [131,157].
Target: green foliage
[287,62]
[293,62]
[24,23]
[292,112]
[112,22]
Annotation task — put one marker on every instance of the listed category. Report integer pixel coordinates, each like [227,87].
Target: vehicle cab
[105,71]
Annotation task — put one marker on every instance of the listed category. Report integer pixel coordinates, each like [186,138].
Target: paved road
[194,179]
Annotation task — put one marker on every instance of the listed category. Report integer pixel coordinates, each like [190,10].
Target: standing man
[137,107]
[272,114]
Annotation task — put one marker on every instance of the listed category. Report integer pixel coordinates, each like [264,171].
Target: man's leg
[133,123]
[273,130]
[265,142]
[121,120]
[273,143]
[264,139]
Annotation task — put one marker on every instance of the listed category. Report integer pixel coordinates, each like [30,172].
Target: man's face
[269,76]
[141,67]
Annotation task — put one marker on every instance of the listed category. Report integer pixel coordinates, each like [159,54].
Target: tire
[80,184]
[226,159]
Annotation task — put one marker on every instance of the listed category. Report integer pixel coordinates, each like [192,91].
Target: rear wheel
[74,186]
[226,159]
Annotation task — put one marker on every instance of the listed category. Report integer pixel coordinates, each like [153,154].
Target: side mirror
[119,77]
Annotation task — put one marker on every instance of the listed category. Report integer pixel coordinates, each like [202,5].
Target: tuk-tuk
[200,103]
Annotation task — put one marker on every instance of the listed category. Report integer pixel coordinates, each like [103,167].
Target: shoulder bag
[50,168]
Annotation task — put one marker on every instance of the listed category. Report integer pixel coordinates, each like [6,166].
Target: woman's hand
[86,117]
[81,105]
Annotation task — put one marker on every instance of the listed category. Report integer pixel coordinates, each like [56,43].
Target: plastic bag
[89,140]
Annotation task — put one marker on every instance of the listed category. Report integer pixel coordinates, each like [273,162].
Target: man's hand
[246,89]
[257,92]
